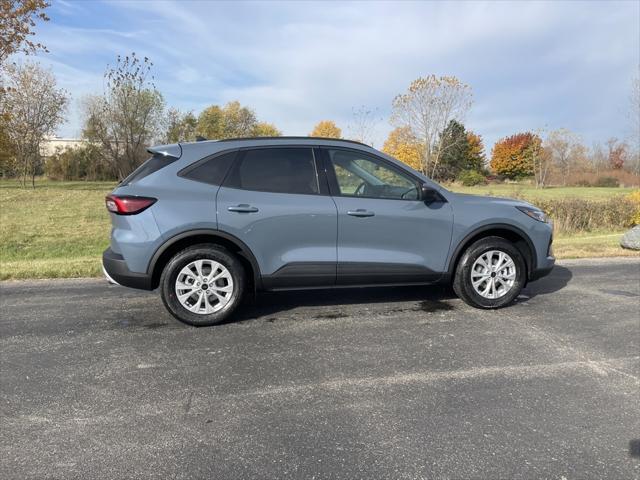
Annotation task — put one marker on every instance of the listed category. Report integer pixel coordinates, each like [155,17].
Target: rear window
[152,165]
[210,171]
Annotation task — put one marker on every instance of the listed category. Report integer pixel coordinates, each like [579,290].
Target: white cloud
[530,63]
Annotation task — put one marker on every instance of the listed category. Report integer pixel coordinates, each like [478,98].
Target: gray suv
[209,222]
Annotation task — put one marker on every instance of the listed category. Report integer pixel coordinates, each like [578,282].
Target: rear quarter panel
[181,205]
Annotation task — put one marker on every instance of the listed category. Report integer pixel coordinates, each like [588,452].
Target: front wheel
[202,285]
[490,274]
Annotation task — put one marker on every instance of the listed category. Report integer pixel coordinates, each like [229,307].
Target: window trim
[334,186]
[186,170]
[242,153]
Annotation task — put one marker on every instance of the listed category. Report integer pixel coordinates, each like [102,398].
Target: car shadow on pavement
[430,298]
[558,279]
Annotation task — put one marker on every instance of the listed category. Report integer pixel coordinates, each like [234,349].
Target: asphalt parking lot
[98,381]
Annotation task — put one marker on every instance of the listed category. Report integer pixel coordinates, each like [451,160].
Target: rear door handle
[360,213]
[243,208]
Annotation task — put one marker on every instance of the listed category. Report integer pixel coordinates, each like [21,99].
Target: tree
[598,158]
[264,129]
[426,108]
[363,124]
[128,116]
[17,20]
[563,147]
[32,107]
[541,161]
[461,151]
[454,147]
[476,157]
[404,146]
[326,129]
[617,153]
[231,121]
[239,121]
[181,127]
[454,150]
[8,167]
[512,157]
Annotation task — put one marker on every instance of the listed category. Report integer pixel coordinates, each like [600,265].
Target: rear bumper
[116,270]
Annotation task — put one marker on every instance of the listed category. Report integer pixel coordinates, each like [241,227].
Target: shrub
[606,182]
[634,198]
[582,176]
[80,163]
[494,179]
[580,215]
[469,178]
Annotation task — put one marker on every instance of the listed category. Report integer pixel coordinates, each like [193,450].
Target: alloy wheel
[493,274]
[204,286]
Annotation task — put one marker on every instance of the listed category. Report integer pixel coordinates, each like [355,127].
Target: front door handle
[243,208]
[360,213]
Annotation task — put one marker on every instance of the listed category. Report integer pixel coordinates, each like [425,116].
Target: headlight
[535,214]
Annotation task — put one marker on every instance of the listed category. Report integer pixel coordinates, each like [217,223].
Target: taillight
[127,205]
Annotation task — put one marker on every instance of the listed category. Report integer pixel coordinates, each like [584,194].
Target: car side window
[210,171]
[277,170]
[360,175]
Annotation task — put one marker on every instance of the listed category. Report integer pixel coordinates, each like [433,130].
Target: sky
[531,65]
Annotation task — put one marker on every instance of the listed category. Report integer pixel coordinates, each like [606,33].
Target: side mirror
[429,195]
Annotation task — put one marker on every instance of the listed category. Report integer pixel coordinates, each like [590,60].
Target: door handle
[243,208]
[360,213]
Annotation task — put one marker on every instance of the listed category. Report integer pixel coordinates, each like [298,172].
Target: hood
[485,200]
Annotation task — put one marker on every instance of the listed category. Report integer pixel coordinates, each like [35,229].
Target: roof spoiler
[174,150]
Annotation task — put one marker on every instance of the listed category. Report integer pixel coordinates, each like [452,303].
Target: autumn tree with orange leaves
[326,129]
[511,156]
[404,146]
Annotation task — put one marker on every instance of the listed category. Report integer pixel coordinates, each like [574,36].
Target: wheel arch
[509,232]
[178,242]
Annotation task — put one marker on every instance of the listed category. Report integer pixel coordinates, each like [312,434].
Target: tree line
[130,114]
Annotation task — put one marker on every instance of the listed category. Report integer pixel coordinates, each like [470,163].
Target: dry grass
[60,229]
[588,245]
[519,190]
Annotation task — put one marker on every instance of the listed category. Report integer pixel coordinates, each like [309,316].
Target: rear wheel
[490,274]
[202,285]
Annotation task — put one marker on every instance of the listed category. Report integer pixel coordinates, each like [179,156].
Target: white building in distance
[52,145]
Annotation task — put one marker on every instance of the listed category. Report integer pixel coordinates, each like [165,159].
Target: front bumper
[543,270]
[116,270]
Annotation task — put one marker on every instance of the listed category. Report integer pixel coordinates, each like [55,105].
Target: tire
[508,281]
[210,302]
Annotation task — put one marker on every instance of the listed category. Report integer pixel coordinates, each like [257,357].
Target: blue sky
[531,65]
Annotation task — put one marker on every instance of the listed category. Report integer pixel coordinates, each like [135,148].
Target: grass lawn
[60,229]
[57,230]
[515,190]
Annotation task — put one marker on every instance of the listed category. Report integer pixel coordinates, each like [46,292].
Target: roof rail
[292,138]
